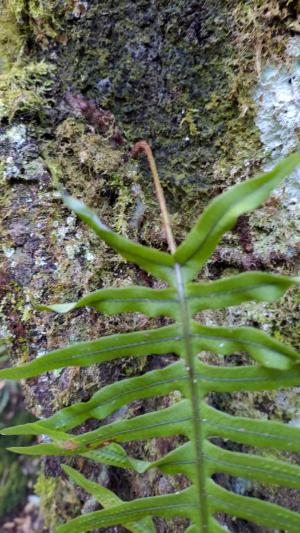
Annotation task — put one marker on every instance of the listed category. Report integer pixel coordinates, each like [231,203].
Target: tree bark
[80,82]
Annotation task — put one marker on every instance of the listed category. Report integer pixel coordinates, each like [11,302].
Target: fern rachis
[199,458]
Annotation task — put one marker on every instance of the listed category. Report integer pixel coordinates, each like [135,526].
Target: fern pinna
[199,458]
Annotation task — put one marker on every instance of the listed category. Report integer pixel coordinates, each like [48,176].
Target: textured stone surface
[183,75]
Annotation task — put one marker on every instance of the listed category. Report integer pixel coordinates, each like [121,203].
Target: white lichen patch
[11,170]
[277,98]
[60,232]
[89,256]
[16,135]
[8,252]
[71,221]
[278,118]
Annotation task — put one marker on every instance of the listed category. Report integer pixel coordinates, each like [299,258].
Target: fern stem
[143,146]
[188,349]
[195,401]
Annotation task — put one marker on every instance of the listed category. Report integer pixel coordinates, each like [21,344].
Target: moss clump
[58,501]
[12,36]
[89,165]
[93,152]
[46,488]
[45,19]
[23,84]
[23,88]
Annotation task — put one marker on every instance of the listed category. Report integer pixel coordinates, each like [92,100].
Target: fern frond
[234,290]
[150,302]
[160,383]
[137,344]
[199,458]
[249,286]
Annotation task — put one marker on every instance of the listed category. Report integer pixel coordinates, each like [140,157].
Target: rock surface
[80,82]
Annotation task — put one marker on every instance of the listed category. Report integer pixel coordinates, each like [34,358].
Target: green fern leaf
[108,499]
[199,458]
